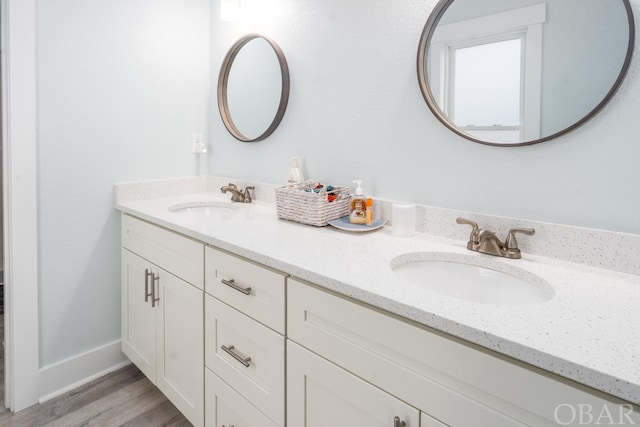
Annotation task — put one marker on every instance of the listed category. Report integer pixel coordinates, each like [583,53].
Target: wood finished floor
[123,398]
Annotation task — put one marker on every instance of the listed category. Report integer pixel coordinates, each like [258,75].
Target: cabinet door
[226,408]
[138,317]
[180,345]
[421,368]
[321,394]
[427,421]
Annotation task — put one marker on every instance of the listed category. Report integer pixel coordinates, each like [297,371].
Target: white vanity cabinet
[162,312]
[244,341]
[427,421]
[452,382]
[234,343]
[226,407]
[321,394]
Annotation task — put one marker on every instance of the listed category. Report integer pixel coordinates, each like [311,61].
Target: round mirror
[519,72]
[253,88]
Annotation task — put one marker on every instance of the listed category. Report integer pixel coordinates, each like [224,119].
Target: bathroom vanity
[243,319]
[162,311]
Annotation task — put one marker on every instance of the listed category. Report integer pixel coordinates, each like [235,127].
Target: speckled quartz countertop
[588,332]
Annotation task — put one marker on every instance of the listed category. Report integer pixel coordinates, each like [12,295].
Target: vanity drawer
[453,382]
[255,290]
[179,255]
[225,407]
[261,379]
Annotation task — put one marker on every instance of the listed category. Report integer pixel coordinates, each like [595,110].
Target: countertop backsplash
[596,248]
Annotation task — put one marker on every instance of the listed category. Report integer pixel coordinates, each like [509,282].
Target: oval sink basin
[472,278]
[206,208]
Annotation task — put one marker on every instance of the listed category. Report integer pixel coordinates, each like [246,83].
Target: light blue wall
[121,86]
[356,112]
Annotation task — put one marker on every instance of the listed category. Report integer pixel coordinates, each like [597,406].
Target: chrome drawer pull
[229,426]
[154,300]
[231,352]
[232,283]
[398,423]
[147,294]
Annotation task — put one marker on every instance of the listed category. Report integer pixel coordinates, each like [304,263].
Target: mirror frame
[223,80]
[425,40]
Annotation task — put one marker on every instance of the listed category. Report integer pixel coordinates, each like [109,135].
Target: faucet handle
[247,195]
[511,243]
[473,238]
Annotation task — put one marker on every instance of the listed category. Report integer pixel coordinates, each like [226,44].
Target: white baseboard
[71,373]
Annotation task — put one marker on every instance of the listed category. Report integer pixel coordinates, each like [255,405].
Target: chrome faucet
[238,195]
[487,242]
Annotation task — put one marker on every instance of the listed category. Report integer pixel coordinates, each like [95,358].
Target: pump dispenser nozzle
[359,191]
[295,174]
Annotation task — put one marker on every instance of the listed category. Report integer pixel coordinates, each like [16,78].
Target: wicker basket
[296,204]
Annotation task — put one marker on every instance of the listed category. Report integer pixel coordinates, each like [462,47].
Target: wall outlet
[197,144]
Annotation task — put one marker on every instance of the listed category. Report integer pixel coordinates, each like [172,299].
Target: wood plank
[114,409]
[164,414]
[121,398]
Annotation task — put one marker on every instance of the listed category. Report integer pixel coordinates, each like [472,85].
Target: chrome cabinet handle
[398,423]
[229,426]
[147,294]
[232,283]
[231,352]
[154,298]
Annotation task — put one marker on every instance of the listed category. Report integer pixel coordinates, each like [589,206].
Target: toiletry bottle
[358,211]
[369,214]
[295,174]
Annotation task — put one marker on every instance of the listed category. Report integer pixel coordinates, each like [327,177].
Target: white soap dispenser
[358,208]
[295,174]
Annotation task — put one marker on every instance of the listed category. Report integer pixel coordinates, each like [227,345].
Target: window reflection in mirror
[566,60]
[491,72]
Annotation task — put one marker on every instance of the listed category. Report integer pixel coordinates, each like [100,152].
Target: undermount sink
[205,208]
[472,278]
